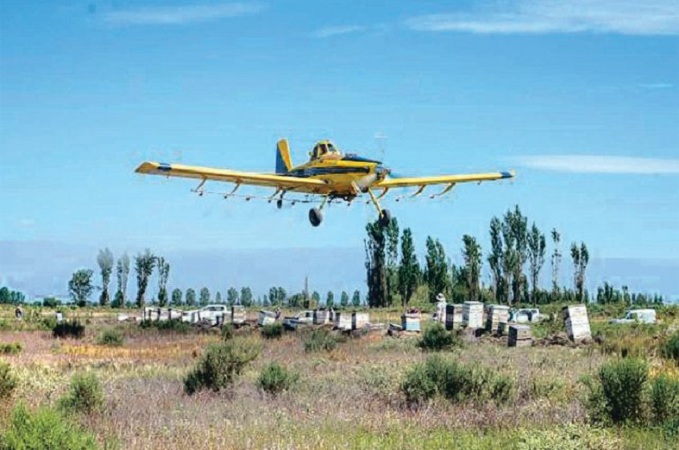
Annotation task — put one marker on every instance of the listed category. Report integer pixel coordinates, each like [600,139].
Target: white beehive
[577,322]
[472,314]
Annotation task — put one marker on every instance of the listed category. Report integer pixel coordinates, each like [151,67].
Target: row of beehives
[342,320]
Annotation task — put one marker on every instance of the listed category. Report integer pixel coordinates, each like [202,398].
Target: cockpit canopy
[324,149]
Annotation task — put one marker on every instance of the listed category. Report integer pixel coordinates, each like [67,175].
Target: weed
[221,364]
[618,395]
[8,382]
[227,331]
[11,348]
[275,379]
[44,429]
[112,338]
[67,329]
[85,395]
[664,399]
[670,348]
[173,326]
[435,338]
[272,331]
[320,339]
[569,437]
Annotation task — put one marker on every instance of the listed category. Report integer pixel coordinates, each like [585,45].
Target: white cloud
[601,164]
[649,17]
[180,15]
[336,31]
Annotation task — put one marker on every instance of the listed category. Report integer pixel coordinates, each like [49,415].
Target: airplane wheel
[279,204]
[315,216]
[385,218]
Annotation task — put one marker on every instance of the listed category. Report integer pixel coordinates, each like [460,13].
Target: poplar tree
[105,261]
[536,257]
[143,265]
[122,274]
[473,261]
[409,269]
[163,275]
[436,273]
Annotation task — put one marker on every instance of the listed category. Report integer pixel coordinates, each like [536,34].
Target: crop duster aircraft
[329,174]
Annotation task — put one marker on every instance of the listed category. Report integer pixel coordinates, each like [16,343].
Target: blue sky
[581,98]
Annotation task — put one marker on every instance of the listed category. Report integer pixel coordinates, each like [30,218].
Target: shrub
[8,381]
[227,331]
[435,338]
[320,339]
[170,326]
[221,364]
[11,348]
[112,338]
[622,385]
[85,395]
[455,382]
[568,437]
[670,349]
[664,399]
[44,429]
[272,331]
[275,379]
[71,328]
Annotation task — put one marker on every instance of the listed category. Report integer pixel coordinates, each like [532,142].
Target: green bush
[85,395]
[275,379]
[11,348]
[112,338]
[435,338]
[44,429]
[272,331]
[67,329]
[8,382]
[455,382]
[227,331]
[621,394]
[170,326]
[664,399]
[320,339]
[670,348]
[221,364]
[568,437]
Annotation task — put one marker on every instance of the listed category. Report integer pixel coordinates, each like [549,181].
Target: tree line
[516,258]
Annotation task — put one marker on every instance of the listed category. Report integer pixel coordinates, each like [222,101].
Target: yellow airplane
[328,174]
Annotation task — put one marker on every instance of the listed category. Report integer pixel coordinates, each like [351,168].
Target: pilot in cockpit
[325,150]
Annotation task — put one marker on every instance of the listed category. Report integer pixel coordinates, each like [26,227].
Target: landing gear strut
[316,214]
[384,214]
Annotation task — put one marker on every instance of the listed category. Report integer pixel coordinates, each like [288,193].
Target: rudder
[283,161]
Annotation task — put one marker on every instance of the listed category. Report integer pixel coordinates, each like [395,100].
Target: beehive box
[472,314]
[359,320]
[453,317]
[321,316]
[497,319]
[520,336]
[266,318]
[342,321]
[410,322]
[577,322]
[238,315]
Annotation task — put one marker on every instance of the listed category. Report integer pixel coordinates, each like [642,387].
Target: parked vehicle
[637,316]
[302,318]
[526,315]
[209,313]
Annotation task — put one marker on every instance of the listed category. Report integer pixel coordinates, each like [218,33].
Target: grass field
[349,397]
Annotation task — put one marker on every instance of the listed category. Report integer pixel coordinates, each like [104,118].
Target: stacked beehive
[321,316]
[342,321]
[520,336]
[238,315]
[577,322]
[497,319]
[410,322]
[453,317]
[359,320]
[266,318]
[472,314]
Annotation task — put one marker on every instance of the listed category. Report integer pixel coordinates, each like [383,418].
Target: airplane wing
[287,183]
[443,179]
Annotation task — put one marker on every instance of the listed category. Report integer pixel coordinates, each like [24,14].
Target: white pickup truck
[637,316]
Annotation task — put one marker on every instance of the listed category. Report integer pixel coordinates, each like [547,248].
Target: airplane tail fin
[283,161]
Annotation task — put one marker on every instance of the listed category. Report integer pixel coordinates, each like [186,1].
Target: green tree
[281,295]
[391,254]
[315,299]
[556,262]
[218,298]
[580,257]
[330,300]
[344,299]
[495,259]
[536,258]
[122,274]
[515,233]
[409,269]
[375,249]
[177,297]
[190,297]
[144,264]
[232,296]
[436,269]
[473,260]
[356,299]
[163,275]
[204,297]
[80,287]
[4,295]
[246,297]
[105,261]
